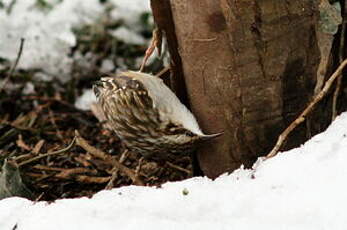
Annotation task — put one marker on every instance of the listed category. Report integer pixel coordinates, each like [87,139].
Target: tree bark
[249,68]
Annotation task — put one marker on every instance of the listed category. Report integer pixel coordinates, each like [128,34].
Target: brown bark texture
[249,68]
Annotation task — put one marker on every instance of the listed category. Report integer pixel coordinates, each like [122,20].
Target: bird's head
[103,85]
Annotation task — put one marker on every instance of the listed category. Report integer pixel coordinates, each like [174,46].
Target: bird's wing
[169,106]
[126,102]
[174,129]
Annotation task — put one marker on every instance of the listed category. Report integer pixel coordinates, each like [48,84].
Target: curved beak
[97,83]
[96,87]
[210,136]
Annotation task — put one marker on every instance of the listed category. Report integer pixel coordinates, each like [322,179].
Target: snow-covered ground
[304,188]
[48,30]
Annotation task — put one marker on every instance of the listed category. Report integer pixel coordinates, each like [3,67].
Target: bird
[147,116]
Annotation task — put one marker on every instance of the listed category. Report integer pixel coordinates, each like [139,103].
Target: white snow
[84,101]
[304,188]
[48,32]
[107,66]
[128,36]
[29,88]
[129,11]
[48,35]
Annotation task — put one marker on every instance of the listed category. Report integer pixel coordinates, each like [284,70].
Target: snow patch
[84,101]
[128,36]
[49,33]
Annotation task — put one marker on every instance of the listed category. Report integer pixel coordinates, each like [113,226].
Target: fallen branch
[100,154]
[308,109]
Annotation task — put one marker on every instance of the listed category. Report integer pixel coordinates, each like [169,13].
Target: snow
[84,101]
[48,35]
[129,11]
[48,32]
[128,36]
[304,188]
[29,88]
[107,65]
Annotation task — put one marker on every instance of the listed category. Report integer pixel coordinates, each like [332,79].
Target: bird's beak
[97,84]
[96,87]
[210,136]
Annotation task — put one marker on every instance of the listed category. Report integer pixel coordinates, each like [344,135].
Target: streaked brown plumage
[147,116]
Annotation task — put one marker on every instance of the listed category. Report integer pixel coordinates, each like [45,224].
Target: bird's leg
[115,170]
[164,72]
[138,168]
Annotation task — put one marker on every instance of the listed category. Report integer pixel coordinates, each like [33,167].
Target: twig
[115,170]
[43,177]
[39,197]
[71,172]
[92,150]
[47,168]
[178,168]
[308,109]
[52,120]
[49,154]
[15,64]
[100,154]
[92,179]
[113,177]
[341,56]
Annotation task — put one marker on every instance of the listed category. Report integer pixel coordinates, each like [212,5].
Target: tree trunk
[249,67]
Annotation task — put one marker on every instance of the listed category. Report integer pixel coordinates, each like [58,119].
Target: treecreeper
[147,116]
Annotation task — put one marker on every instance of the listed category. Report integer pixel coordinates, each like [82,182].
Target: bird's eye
[108,85]
[189,134]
